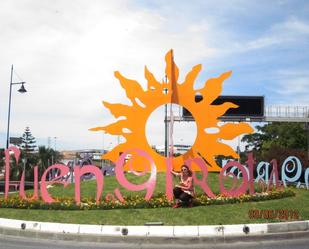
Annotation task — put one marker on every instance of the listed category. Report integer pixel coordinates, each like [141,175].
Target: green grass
[201,215]
[88,188]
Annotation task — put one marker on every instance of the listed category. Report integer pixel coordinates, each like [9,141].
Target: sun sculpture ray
[132,119]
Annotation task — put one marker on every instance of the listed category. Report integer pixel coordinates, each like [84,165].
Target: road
[10,242]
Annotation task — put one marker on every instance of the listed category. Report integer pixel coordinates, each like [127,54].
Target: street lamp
[24,160]
[55,149]
[21,90]
[165,128]
[166,145]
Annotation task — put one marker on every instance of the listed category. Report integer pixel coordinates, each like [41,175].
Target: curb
[18,227]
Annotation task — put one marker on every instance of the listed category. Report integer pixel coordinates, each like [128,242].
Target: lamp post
[55,149]
[165,90]
[165,128]
[21,90]
[24,160]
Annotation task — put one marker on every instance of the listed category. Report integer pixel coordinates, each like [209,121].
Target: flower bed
[137,201]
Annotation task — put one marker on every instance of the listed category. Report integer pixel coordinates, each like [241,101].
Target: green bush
[137,201]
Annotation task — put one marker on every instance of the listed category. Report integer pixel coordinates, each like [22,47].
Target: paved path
[10,242]
[219,231]
[33,234]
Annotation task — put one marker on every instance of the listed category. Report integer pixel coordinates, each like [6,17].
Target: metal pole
[24,164]
[307,128]
[103,143]
[165,129]
[72,170]
[165,124]
[102,160]
[55,146]
[9,112]
[55,143]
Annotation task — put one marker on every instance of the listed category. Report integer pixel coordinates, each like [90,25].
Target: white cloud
[67,53]
[293,86]
[287,31]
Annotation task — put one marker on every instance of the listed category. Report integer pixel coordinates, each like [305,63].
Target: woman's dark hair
[188,169]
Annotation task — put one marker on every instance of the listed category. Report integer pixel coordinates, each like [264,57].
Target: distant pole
[9,112]
[55,150]
[21,90]
[165,124]
[103,142]
[48,142]
[102,160]
[118,139]
[55,143]
[24,160]
[165,129]
[307,127]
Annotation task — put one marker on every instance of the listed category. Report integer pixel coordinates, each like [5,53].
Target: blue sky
[68,50]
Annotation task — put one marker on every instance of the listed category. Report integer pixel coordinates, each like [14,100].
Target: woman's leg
[185,198]
[177,192]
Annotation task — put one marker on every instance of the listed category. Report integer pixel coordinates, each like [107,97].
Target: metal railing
[287,113]
[273,113]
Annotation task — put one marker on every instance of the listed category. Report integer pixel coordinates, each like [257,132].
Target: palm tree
[47,157]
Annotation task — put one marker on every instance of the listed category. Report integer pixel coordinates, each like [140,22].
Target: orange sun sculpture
[132,119]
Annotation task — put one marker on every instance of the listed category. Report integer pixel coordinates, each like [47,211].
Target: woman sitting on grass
[184,191]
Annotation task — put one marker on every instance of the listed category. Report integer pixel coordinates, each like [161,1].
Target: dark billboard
[249,106]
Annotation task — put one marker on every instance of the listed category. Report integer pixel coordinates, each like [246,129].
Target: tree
[286,135]
[46,157]
[28,142]
[28,155]
[278,140]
